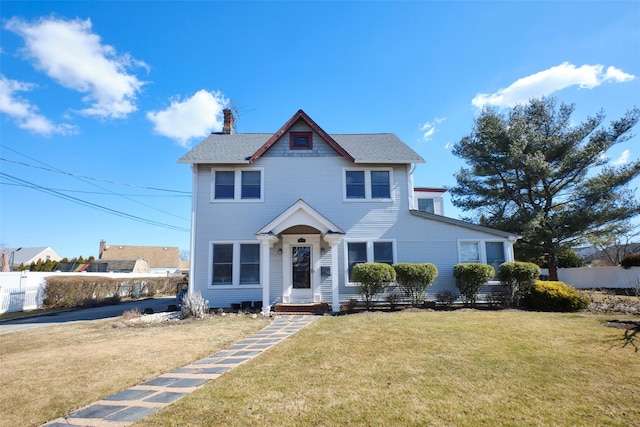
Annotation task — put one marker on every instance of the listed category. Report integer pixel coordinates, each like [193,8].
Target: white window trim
[482,250]
[237,185]
[369,243]
[367,185]
[235,266]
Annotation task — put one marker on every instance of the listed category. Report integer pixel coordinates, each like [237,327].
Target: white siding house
[283,217]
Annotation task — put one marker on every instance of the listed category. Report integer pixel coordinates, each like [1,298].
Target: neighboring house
[611,255]
[283,217]
[26,256]
[107,266]
[159,258]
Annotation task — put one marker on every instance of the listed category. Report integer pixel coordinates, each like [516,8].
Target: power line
[89,204]
[84,177]
[105,193]
[80,178]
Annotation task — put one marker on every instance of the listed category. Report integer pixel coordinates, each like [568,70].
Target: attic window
[300,141]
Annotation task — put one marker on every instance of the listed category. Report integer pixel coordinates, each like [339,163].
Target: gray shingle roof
[239,147]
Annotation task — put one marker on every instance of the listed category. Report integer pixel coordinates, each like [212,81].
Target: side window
[249,264]
[355,185]
[224,185]
[495,254]
[380,186]
[222,264]
[383,252]
[469,252]
[426,205]
[357,254]
[250,184]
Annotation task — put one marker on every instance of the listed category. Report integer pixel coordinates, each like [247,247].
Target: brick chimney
[229,120]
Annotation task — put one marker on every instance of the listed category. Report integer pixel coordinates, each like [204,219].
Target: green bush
[85,290]
[517,277]
[554,296]
[372,279]
[414,279]
[470,277]
[629,261]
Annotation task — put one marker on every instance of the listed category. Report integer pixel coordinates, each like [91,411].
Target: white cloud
[623,159]
[190,118]
[24,113]
[429,128]
[549,81]
[72,55]
[448,146]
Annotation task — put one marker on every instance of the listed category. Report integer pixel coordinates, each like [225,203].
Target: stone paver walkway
[128,406]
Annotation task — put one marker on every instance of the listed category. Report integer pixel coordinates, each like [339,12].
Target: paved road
[83,315]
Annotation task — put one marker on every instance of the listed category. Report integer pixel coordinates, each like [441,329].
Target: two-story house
[283,217]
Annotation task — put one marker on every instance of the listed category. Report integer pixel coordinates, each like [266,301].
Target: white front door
[300,268]
[301,277]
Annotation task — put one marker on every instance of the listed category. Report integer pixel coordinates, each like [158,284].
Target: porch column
[334,240]
[266,243]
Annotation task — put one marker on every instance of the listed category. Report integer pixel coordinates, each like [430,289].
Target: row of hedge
[86,291]
[519,286]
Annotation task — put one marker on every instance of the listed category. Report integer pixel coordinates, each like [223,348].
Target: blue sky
[98,100]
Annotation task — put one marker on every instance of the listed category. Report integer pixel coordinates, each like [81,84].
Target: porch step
[310,308]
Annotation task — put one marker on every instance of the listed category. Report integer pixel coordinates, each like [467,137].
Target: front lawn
[454,368]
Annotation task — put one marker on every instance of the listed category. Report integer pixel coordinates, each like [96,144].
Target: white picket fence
[24,290]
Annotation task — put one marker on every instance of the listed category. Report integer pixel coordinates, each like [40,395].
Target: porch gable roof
[300,213]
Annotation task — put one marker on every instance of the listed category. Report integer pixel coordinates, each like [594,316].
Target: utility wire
[105,193]
[89,204]
[80,178]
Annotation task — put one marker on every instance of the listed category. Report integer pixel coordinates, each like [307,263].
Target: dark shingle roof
[239,147]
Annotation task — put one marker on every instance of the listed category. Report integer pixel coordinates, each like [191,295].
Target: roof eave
[511,236]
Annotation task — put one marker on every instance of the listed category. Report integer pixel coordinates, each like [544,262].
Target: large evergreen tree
[533,172]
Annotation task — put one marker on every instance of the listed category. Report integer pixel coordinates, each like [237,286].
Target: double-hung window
[369,251]
[367,184]
[486,252]
[235,264]
[426,205]
[237,185]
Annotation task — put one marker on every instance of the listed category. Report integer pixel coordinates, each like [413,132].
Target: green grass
[465,367]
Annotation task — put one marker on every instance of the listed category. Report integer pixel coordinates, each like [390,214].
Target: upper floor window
[367,184]
[426,205]
[241,184]
[300,141]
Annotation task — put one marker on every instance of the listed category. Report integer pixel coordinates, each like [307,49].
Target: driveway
[83,315]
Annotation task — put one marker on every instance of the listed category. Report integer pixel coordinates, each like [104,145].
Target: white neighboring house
[26,256]
[283,217]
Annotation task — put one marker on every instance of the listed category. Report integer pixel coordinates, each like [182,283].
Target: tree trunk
[553,267]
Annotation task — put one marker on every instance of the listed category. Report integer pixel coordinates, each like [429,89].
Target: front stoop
[310,308]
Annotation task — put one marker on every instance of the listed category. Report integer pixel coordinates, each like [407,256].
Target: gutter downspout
[194,200]
[412,169]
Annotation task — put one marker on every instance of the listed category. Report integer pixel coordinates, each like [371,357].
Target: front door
[301,267]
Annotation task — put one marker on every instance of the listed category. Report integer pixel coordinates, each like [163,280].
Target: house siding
[317,177]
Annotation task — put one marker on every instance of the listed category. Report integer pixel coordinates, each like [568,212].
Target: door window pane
[249,264]
[250,184]
[222,263]
[383,252]
[380,187]
[224,185]
[357,253]
[301,267]
[355,185]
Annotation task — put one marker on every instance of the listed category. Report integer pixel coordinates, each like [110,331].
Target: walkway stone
[130,405]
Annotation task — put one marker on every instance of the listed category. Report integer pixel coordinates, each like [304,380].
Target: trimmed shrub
[194,305]
[372,279]
[554,296]
[470,277]
[517,277]
[629,261]
[414,279]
